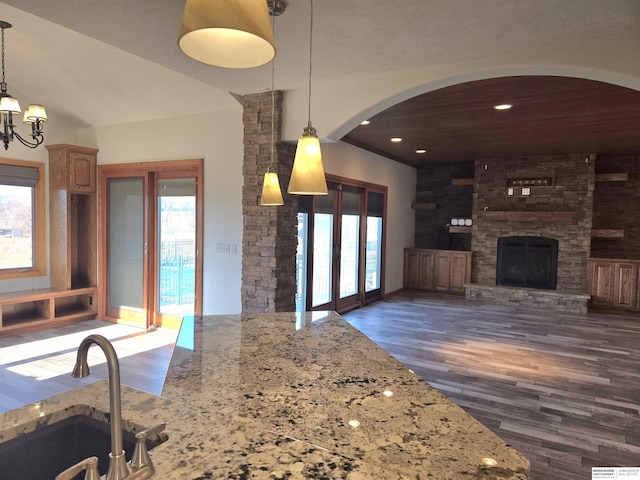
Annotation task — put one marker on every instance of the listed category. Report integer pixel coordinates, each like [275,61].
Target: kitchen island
[293,396]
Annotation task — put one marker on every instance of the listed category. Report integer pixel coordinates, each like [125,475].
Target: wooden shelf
[528,216]
[461,182]
[32,309]
[612,177]
[464,229]
[424,206]
[606,233]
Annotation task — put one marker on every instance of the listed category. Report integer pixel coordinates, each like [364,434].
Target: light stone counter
[293,396]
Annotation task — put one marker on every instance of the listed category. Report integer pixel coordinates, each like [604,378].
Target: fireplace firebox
[527,262]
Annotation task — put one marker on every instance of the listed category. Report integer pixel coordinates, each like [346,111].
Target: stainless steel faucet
[118,468]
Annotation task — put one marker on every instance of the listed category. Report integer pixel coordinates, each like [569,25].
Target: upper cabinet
[73,168]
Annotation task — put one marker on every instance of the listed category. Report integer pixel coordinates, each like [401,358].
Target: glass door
[374,245]
[176,248]
[127,250]
[340,256]
[349,247]
[151,231]
[322,294]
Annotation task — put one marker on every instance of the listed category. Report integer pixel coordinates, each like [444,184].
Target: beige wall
[218,140]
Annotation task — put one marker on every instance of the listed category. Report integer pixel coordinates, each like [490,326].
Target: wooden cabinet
[459,271]
[72,248]
[73,216]
[441,270]
[613,283]
[418,269]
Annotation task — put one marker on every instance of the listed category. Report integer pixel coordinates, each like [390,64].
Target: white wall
[218,138]
[351,162]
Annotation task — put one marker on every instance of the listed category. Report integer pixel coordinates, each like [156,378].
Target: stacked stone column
[269,233]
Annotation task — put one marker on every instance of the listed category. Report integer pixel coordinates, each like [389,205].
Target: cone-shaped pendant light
[307,176]
[271,193]
[227,33]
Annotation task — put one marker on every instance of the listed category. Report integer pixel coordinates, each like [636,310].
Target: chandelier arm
[39,138]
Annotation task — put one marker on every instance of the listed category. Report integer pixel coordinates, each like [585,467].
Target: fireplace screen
[527,262]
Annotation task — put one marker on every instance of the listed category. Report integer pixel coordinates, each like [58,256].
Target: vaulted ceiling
[116,61]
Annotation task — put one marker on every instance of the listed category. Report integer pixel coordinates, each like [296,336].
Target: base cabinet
[439,270]
[613,283]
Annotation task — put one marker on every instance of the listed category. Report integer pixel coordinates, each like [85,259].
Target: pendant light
[227,33]
[271,193]
[307,176]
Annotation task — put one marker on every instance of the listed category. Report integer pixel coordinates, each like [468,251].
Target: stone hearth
[528,297]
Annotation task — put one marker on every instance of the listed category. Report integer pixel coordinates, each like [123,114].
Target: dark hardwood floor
[564,389]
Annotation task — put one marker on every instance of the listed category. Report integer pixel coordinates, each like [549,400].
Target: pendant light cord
[273,95]
[310,57]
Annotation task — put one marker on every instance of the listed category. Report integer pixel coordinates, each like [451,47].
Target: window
[22,219]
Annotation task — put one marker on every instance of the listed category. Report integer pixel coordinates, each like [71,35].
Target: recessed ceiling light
[365,122]
[503,106]
[396,139]
[421,150]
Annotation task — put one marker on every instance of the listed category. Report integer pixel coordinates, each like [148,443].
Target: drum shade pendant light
[271,193]
[227,33]
[34,115]
[307,176]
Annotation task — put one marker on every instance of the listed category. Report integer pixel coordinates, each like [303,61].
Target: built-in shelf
[607,233]
[460,182]
[464,229]
[424,205]
[33,309]
[612,177]
[528,216]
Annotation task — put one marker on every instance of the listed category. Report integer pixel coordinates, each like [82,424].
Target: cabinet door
[626,285]
[426,270]
[602,283]
[82,173]
[411,269]
[458,271]
[442,268]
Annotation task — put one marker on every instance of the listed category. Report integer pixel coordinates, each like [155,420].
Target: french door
[340,246]
[151,236]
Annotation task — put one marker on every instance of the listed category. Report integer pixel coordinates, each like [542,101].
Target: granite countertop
[292,396]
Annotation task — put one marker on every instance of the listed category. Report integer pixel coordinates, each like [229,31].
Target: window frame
[39,225]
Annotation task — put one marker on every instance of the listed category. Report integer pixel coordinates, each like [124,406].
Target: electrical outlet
[526,191]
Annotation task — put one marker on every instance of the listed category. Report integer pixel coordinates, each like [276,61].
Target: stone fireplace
[530,262]
[559,209]
[546,203]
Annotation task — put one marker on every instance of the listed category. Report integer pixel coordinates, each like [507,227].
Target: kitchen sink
[50,449]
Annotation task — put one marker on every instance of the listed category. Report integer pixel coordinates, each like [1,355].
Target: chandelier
[34,115]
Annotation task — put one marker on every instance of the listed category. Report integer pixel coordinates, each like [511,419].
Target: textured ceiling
[117,61]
